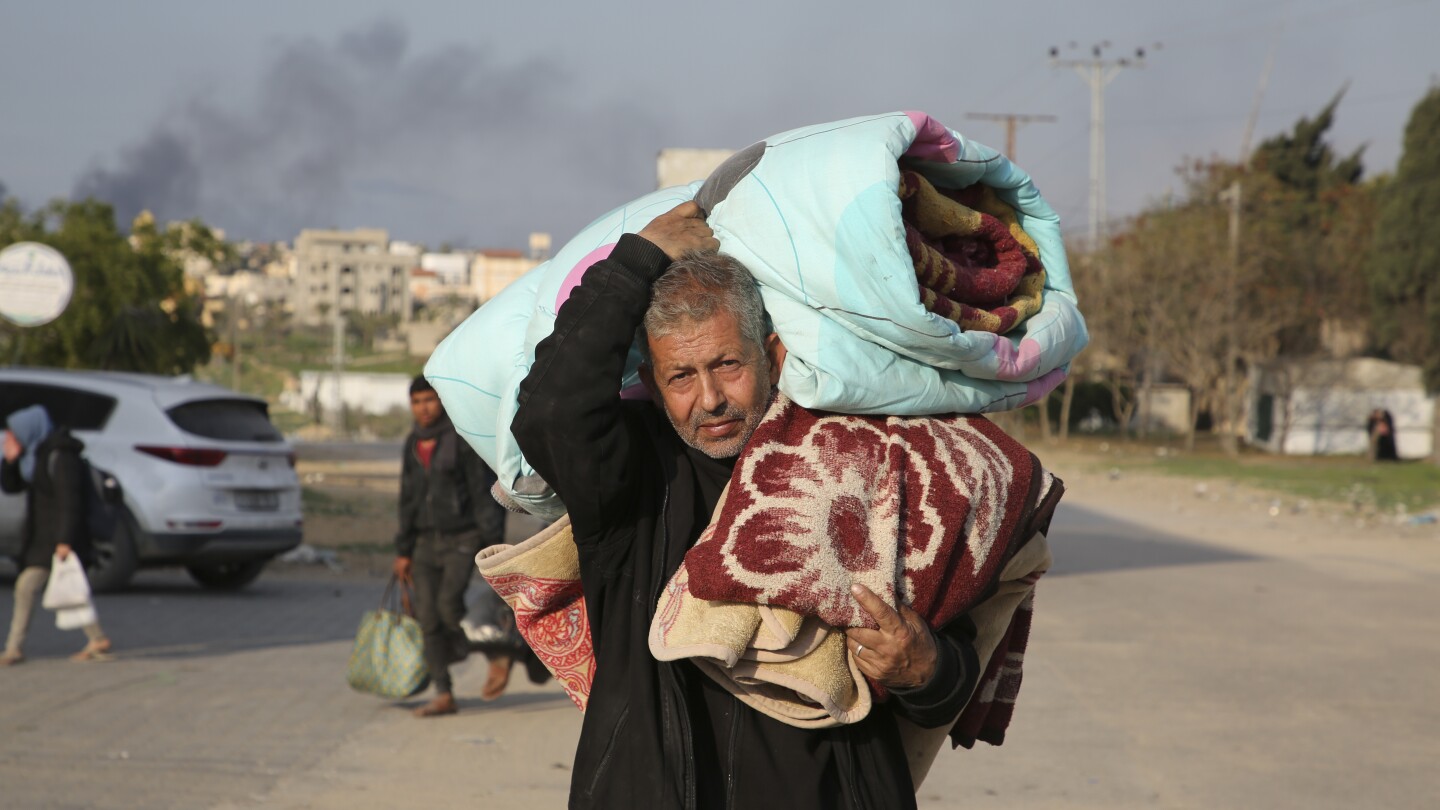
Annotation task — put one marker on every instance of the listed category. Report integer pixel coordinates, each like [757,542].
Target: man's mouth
[717,430]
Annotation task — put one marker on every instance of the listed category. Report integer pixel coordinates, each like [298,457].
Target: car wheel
[113,560]
[226,576]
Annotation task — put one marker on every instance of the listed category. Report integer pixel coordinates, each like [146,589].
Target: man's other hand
[901,654]
[12,449]
[402,569]
[681,229]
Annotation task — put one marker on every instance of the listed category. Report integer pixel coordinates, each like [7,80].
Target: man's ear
[775,350]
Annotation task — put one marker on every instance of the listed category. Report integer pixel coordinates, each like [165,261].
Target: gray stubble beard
[750,421]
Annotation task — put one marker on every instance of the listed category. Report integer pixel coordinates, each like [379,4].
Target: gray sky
[478,122]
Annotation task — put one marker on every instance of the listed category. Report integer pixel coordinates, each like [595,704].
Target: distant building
[424,285]
[493,270]
[453,269]
[410,249]
[1319,407]
[1163,408]
[376,394]
[678,167]
[349,271]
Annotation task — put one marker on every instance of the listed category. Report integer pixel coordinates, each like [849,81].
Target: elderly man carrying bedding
[641,486]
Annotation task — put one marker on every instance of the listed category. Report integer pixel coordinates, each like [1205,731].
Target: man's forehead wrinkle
[689,354]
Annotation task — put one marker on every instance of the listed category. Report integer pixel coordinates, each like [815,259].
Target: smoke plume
[446,145]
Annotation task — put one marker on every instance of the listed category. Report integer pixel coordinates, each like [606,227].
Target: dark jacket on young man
[451,495]
[54,500]
[662,734]
[447,515]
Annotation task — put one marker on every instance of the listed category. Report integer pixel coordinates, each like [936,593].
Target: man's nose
[712,399]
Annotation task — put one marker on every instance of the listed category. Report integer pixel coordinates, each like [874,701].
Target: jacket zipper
[673,715]
[730,757]
[609,752]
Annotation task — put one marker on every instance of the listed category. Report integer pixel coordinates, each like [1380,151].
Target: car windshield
[235,420]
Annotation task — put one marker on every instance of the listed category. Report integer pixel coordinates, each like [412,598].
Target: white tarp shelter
[1320,407]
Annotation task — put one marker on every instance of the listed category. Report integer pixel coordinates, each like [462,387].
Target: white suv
[207,481]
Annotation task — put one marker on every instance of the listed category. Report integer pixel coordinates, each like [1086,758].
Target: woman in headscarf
[44,463]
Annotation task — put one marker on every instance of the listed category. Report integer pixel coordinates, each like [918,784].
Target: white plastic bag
[68,587]
[74,618]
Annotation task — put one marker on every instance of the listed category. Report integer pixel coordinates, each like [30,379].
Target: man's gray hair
[697,287]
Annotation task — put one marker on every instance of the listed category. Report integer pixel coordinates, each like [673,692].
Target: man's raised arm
[569,423]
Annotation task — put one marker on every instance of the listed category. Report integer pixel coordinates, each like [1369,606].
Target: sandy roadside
[515,753]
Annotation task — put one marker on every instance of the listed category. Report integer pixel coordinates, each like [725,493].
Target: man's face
[425,405]
[714,385]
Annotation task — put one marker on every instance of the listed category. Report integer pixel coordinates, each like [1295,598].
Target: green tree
[1306,209]
[1304,162]
[131,309]
[1404,266]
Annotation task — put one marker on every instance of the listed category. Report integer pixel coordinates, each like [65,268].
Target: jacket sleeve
[10,479]
[489,514]
[957,669]
[570,423]
[405,537]
[65,477]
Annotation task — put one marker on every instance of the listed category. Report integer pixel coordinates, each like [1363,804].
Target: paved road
[1190,655]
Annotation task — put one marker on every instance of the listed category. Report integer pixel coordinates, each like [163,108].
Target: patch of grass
[385,548]
[1413,485]
[319,502]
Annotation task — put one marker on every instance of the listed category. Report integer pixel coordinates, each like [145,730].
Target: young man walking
[446,516]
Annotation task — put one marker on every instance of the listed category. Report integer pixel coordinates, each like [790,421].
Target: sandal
[95,651]
[439,707]
[10,659]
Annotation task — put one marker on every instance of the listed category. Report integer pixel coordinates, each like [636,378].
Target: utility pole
[1234,196]
[1097,71]
[1012,123]
[337,416]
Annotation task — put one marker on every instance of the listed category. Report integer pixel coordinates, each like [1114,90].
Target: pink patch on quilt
[1015,363]
[1036,389]
[932,140]
[572,278]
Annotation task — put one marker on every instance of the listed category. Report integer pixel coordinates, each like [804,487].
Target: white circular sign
[35,283]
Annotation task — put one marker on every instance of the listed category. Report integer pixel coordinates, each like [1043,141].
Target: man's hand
[13,449]
[680,229]
[402,569]
[901,654]
[62,550]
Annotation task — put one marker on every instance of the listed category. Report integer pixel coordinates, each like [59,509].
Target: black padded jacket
[661,734]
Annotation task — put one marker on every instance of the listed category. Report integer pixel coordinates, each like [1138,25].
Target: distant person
[44,462]
[446,516]
[1381,429]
